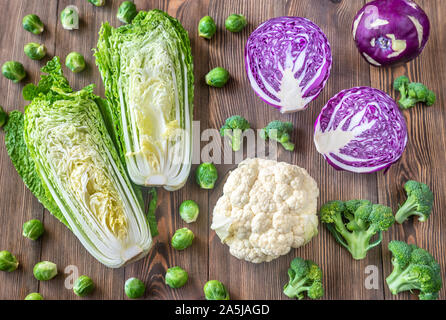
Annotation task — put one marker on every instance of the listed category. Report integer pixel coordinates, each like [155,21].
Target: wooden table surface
[344,278]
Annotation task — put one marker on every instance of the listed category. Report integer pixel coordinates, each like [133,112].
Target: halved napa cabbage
[147,71]
[80,177]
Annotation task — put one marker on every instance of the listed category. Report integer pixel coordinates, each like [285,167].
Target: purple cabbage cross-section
[361,130]
[288,62]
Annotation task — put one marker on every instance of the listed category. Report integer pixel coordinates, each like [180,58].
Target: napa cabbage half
[62,149]
[147,70]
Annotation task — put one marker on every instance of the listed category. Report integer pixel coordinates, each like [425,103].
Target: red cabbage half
[360,130]
[288,61]
[388,32]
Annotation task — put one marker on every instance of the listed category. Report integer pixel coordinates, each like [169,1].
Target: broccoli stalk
[233,128]
[414,269]
[412,93]
[354,223]
[419,202]
[279,131]
[304,276]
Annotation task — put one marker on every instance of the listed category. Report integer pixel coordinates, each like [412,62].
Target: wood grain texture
[209,259]
[425,151]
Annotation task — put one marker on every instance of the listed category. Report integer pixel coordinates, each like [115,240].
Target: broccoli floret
[355,222]
[400,84]
[279,131]
[233,128]
[414,269]
[412,93]
[430,99]
[304,275]
[419,202]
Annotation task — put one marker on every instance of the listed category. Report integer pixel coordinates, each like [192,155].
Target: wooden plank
[344,277]
[194,259]
[17,204]
[208,258]
[61,246]
[243,279]
[424,153]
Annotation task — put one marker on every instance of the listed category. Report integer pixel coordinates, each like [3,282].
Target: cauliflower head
[267,208]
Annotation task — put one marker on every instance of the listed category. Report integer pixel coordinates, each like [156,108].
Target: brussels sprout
[215,290]
[33,229]
[134,288]
[83,286]
[206,27]
[14,71]
[235,22]
[217,77]
[176,277]
[97,3]
[189,211]
[75,62]
[33,24]
[206,175]
[182,239]
[3,117]
[34,296]
[69,17]
[127,12]
[45,270]
[35,51]
[8,261]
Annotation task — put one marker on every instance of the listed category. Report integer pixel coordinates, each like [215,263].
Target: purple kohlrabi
[389,32]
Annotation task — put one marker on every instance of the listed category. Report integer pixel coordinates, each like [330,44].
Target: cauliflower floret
[272,243]
[261,223]
[266,209]
[239,197]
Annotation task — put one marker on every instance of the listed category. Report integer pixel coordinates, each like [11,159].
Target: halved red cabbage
[360,130]
[388,32]
[288,61]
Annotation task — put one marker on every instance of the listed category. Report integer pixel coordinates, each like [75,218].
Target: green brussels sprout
[69,17]
[3,117]
[14,71]
[215,290]
[33,24]
[45,270]
[33,229]
[35,51]
[176,277]
[134,288]
[34,296]
[207,27]
[75,62]
[83,286]
[8,262]
[217,77]
[182,239]
[127,12]
[97,3]
[235,22]
[206,175]
[189,211]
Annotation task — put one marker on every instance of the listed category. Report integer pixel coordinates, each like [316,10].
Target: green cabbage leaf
[147,70]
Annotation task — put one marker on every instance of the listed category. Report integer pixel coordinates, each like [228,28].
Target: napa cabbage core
[149,78]
[81,168]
